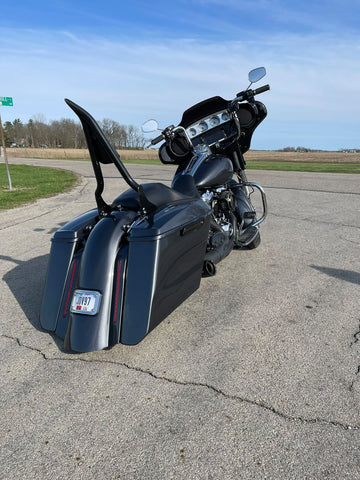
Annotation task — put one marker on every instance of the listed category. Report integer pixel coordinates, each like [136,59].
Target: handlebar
[168,133]
[249,94]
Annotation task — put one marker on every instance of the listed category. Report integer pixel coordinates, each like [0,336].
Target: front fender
[86,333]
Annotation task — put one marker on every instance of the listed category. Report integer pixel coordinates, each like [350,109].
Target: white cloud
[314,78]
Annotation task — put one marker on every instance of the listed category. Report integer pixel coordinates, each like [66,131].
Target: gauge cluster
[208,123]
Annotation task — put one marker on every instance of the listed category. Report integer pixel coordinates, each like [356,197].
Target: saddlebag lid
[76,228]
[170,219]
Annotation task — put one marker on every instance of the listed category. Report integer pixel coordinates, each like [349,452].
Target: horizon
[288,148]
[134,62]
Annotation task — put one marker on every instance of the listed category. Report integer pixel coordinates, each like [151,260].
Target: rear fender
[101,267]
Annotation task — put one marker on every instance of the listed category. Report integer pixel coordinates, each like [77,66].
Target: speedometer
[202,127]
[205,124]
[214,121]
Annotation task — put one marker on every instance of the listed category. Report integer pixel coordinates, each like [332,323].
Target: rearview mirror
[150,126]
[257,74]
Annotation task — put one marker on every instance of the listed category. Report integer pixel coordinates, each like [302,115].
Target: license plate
[85,302]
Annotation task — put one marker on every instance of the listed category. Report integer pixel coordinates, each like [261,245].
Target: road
[253,377]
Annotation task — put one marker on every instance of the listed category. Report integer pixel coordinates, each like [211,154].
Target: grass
[304,167]
[30,183]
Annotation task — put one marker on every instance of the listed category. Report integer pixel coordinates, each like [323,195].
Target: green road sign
[6,101]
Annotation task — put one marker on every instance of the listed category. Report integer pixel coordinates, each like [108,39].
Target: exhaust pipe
[209,269]
[215,256]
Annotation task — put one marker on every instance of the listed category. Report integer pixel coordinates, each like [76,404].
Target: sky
[134,60]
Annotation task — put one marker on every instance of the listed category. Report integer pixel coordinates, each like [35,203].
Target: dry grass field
[307,157]
[71,153]
[272,156]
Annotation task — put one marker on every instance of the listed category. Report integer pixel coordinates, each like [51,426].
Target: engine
[223,225]
[221,201]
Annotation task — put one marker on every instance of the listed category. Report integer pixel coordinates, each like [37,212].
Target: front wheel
[243,178]
[255,243]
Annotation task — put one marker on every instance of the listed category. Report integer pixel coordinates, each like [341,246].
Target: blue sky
[135,60]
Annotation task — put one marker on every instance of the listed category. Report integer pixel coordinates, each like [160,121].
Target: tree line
[67,133]
[297,149]
[306,150]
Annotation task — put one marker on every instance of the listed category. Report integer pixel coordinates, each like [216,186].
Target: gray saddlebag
[165,260]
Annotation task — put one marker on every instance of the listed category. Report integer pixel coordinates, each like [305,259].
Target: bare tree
[67,133]
[135,138]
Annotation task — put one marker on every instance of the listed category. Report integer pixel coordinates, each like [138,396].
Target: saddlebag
[164,265]
[62,272]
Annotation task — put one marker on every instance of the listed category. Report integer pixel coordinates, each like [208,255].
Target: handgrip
[157,139]
[261,89]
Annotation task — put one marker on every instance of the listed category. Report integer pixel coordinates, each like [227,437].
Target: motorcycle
[116,271]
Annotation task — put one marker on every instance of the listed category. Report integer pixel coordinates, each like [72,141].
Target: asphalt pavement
[255,376]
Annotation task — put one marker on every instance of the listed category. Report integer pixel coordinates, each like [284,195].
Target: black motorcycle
[117,271]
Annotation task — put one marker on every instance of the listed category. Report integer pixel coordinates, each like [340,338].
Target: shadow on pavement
[26,282]
[345,275]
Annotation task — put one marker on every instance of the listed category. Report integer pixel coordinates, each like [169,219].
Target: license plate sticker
[85,302]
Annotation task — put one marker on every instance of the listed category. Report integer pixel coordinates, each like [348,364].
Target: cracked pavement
[256,375]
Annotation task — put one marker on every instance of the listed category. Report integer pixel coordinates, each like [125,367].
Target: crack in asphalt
[263,405]
[356,337]
[353,382]
[17,340]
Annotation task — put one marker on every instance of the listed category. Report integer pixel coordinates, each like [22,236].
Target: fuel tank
[215,170]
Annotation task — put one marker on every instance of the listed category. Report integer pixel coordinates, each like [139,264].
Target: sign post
[5,102]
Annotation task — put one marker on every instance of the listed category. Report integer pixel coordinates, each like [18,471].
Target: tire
[255,243]
[243,178]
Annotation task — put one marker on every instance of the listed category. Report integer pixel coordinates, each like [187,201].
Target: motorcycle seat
[157,195]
